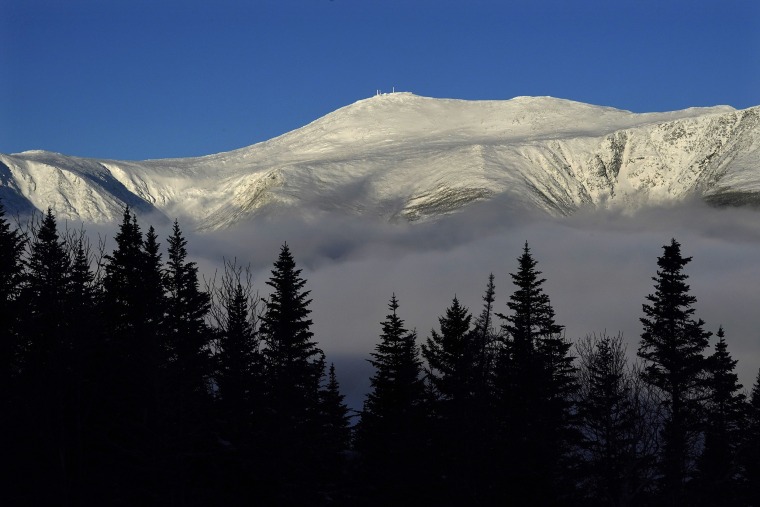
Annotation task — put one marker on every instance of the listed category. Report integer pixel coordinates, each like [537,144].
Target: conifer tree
[615,424]
[750,449]
[238,355]
[294,366]
[153,295]
[335,428]
[389,435]
[239,381]
[45,296]
[450,356]
[534,383]
[718,469]
[12,243]
[672,345]
[47,355]
[135,351]
[455,358]
[486,339]
[85,328]
[188,336]
[335,414]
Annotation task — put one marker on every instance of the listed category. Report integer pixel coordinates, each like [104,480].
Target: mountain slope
[405,157]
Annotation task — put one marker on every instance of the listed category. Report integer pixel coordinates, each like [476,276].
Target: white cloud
[598,269]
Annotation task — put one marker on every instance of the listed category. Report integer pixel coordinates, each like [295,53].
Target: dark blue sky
[151,79]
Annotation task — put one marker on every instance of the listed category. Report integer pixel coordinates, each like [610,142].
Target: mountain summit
[400,156]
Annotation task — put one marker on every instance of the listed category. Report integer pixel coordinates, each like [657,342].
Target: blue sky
[151,79]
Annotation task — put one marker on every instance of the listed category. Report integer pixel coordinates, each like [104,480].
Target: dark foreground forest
[125,381]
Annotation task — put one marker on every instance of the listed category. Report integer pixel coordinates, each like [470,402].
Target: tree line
[127,382]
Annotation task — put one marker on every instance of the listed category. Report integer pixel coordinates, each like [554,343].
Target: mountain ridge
[404,157]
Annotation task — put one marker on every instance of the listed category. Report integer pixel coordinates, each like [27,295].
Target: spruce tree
[186,371]
[12,243]
[47,356]
[187,334]
[451,357]
[389,435]
[335,428]
[672,345]
[136,355]
[486,339]
[455,358]
[238,355]
[294,366]
[534,384]
[613,420]
[239,381]
[85,328]
[718,469]
[45,297]
[750,449]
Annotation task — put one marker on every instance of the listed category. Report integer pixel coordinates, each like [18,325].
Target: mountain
[404,157]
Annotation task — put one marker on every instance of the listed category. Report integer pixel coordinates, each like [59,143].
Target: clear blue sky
[151,79]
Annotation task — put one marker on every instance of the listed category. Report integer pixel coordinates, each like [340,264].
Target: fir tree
[238,355]
[672,345]
[718,468]
[335,428]
[188,336]
[455,357]
[534,383]
[136,355]
[45,296]
[451,357]
[47,357]
[485,340]
[294,363]
[389,435]
[613,419]
[336,419]
[239,381]
[85,328]
[186,372]
[294,366]
[12,243]
[750,449]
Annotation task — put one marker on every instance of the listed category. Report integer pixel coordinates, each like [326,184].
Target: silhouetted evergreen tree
[239,361]
[185,370]
[46,376]
[451,356]
[136,353]
[389,434]
[85,327]
[336,420]
[188,336]
[294,366]
[486,341]
[533,387]
[750,449]
[718,468]
[12,243]
[616,426]
[238,379]
[672,345]
[335,433]
[454,371]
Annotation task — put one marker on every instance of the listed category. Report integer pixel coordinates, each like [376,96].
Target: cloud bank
[598,267]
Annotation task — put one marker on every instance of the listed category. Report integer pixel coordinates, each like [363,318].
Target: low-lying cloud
[598,267]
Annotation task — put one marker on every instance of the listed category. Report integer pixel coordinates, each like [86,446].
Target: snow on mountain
[404,157]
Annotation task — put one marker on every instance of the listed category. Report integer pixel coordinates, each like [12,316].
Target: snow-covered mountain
[404,157]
